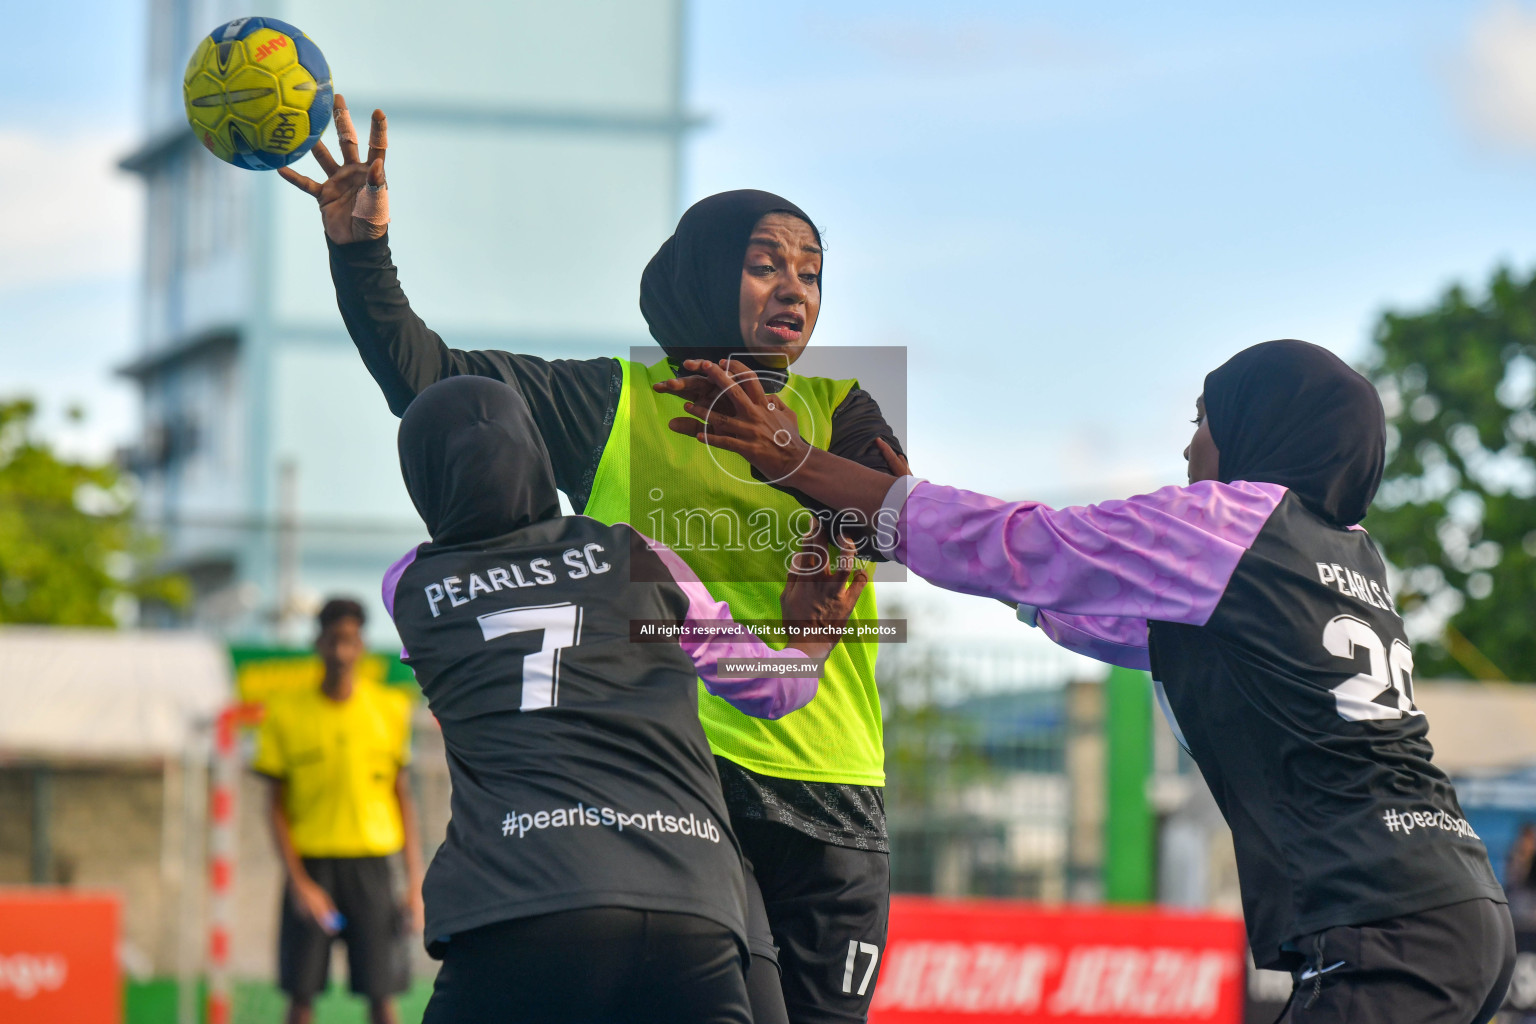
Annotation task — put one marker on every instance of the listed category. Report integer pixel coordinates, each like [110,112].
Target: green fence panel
[1129,826]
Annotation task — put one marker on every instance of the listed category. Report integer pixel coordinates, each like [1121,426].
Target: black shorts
[827,908]
[602,965]
[1449,965]
[378,954]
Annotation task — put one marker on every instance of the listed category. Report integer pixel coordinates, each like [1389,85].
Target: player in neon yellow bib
[710,520]
[740,276]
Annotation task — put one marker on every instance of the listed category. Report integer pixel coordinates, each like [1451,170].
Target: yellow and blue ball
[258,93]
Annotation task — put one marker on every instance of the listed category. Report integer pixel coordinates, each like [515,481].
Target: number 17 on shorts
[857,950]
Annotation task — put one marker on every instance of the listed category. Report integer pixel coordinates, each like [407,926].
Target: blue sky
[1068,215]
[68,219]
[1071,215]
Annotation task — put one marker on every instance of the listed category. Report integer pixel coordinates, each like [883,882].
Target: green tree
[1455,511]
[69,551]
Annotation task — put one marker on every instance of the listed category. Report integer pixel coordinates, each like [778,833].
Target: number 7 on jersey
[561,624]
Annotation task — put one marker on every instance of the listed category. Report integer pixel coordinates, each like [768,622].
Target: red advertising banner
[58,957]
[1016,963]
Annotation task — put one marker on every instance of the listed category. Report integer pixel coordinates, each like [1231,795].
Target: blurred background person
[340,808]
[1520,876]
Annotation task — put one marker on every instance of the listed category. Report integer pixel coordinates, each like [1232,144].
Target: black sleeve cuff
[369,254]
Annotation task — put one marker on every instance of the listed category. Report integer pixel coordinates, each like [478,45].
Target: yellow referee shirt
[339,760]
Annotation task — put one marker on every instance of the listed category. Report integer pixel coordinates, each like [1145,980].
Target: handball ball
[258,93]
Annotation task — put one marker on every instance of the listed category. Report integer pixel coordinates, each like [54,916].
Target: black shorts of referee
[1450,965]
[378,951]
[599,965]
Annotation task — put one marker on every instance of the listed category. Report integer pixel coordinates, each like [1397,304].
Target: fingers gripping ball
[258,93]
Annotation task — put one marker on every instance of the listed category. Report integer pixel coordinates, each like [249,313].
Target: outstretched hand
[354,199]
[894,460]
[728,409]
[820,592]
[693,388]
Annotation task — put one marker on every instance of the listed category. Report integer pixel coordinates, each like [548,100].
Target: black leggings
[604,965]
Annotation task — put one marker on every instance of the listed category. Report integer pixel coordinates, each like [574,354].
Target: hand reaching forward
[727,409]
[354,200]
[734,413]
[820,592]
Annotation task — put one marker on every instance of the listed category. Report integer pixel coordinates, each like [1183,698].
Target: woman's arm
[403,354]
[766,433]
[572,400]
[1165,556]
[819,598]
[400,351]
[1115,641]
[861,435]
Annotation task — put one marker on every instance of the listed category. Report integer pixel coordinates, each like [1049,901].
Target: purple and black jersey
[581,775]
[1281,662]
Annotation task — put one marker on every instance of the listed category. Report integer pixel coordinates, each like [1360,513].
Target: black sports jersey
[581,775]
[1284,668]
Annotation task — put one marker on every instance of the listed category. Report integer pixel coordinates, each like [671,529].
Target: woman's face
[779,294]
[1201,454]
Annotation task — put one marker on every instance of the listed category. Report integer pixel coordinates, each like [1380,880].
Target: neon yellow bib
[703,503]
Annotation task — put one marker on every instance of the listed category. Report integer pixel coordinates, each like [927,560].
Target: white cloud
[66,211]
[1496,74]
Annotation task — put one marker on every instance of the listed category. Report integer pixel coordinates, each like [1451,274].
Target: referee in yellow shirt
[340,808]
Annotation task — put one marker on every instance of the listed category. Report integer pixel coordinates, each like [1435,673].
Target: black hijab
[473,461]
[690,293]
[1288,412]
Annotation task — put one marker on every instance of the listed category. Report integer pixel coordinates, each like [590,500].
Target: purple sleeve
[761,697]
[1115,641]
[392,578]
[1167,555]
[392,583]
